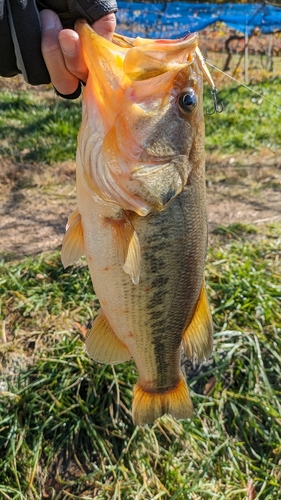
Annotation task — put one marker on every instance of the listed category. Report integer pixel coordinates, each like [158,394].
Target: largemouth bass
[141,218]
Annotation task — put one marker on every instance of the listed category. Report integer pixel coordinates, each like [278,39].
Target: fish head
[144,98]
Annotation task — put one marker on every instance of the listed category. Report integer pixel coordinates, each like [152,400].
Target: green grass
[65,422]
[38,129]
[236,229]
[247,122]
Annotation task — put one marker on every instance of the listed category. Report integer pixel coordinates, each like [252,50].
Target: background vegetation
[32,131]
[65,422]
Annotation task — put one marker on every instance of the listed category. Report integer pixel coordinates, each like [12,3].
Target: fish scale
[170,253]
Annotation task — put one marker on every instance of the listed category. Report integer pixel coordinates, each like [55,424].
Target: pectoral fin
[198,337]
[128,246]
[102,344]
[73,242]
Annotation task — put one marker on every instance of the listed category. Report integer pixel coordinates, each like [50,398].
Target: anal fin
[148,406]
[73,241]
[103,345]
[198,337]
[128,247]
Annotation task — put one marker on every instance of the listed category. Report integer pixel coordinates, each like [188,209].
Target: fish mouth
[150,163]
[151,167]
[127,42]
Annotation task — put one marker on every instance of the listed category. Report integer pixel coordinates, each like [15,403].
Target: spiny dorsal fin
[198,337]
[128,246]
[102,344]
[73,242]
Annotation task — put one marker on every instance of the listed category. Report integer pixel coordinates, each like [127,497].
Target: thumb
[105,26]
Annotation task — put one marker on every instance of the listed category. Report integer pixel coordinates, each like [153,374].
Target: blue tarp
[168,20]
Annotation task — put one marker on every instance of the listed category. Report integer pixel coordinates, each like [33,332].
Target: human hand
[61,49]
[20,38]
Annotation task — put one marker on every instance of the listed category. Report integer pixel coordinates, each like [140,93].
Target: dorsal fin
[198,337]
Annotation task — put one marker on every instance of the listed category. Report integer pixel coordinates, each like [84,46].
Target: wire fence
[247,59]
[246,55]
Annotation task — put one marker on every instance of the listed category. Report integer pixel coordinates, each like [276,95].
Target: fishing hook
[218,108]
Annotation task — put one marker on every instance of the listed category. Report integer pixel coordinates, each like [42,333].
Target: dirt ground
[36,200]
[244,188]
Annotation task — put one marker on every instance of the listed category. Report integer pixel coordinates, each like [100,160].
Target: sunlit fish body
[141,218]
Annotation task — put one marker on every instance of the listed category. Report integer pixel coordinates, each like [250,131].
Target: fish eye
[187,100]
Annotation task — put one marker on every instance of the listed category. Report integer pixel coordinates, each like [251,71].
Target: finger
[62,79]
[106,26]
[72,52]
[71,46]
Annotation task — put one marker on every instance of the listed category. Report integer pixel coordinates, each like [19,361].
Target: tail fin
[147,406]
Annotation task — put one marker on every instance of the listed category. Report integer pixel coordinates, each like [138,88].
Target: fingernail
[68,44]
[48,20]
